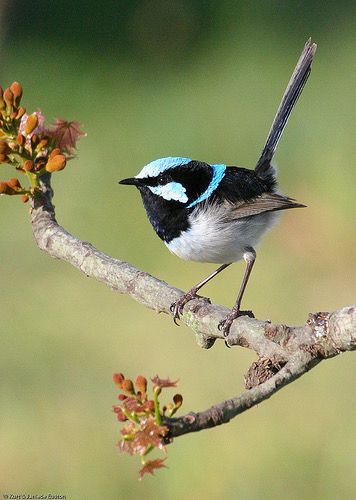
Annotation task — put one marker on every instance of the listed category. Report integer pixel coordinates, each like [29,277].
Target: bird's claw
[177,307]
[174,310]
[225,324]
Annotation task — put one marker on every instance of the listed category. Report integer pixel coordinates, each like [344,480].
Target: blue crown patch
[156,167]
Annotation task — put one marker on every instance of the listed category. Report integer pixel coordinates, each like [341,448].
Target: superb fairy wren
[216,213]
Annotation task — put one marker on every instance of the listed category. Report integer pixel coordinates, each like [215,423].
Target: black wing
[245,194]
[242,185]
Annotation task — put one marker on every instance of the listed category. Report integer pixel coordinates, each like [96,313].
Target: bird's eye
[161,179]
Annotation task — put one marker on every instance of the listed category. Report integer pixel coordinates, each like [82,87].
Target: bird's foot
[177,307]
[225,324]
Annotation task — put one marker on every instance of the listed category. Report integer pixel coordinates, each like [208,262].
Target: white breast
[212,238]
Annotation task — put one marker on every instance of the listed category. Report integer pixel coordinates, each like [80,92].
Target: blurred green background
[149,79]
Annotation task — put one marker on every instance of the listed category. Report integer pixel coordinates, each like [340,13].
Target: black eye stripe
[164,178]
[159,180]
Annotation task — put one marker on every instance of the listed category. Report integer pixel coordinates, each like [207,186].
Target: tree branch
[324,336]
[285,352]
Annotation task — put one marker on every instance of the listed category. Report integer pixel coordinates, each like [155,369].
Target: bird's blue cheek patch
[171,191]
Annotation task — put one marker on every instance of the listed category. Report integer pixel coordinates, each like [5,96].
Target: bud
[21,112]
[31,124]
[42,144]
[3,188]
[25,198]
[20,140]
[121,416]
[13,182]
[4,148]
[150,406]
[178,401]
[141,385]
[34,140]
[54,153]
[118,379]
[55,164]
[16,90]
[157,390]
[28,165]
[8,98]
[127,386]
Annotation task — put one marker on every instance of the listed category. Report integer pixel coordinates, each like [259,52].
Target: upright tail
[294,88]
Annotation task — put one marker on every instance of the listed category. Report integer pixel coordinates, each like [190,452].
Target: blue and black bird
[217,213]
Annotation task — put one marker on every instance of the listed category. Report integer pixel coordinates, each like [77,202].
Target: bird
[217,213]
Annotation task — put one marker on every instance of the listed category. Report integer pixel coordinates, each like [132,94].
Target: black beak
[131,181]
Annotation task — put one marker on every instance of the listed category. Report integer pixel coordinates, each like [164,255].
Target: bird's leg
[177,307]
[225,324]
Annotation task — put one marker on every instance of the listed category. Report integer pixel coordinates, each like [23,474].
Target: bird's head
[177,182]
[170,189]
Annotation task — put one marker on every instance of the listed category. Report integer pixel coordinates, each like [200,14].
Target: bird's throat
[168,218]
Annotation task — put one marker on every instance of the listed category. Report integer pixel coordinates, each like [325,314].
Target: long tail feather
[294,88]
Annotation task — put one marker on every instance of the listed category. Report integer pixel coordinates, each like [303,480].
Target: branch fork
[284,352]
